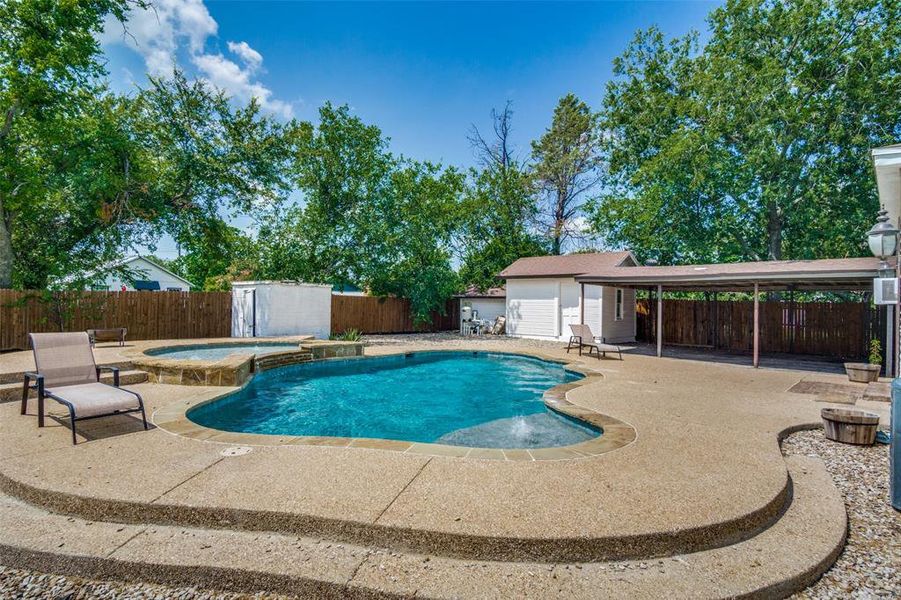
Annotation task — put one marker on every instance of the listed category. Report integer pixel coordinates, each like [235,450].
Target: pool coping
[615,433]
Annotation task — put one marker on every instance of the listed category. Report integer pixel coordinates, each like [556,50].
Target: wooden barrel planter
[862,372]
[850,426]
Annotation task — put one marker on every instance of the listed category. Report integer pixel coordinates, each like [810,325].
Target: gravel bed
[25,585]
[870,565]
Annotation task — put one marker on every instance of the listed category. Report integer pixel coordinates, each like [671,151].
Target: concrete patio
[702,494]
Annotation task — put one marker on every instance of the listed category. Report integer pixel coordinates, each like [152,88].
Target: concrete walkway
[704,472]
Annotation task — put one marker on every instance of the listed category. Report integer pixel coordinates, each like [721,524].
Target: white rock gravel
[870,565]
[15,583]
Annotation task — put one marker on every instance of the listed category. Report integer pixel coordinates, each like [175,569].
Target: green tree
[342,170]
[58,131]
[756,145]
[408,235]
[498,213]
[498,210]
[567,164]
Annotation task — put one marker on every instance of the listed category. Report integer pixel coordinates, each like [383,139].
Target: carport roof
[821,274]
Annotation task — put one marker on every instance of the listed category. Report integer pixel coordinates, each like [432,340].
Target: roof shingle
[568,265]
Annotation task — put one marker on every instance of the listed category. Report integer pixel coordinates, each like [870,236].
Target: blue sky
[424,73]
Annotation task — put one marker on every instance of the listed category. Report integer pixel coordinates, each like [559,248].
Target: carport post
[756,325]
[582,304]
[659,320]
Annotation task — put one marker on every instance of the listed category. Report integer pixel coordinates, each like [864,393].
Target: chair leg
[143,416]
[72,421]
[25,396]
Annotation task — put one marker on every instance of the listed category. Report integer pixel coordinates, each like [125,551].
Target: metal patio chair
[67,373]
[582,337]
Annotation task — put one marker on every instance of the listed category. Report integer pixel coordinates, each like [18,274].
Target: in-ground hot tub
[232,363]
[472,399]
[214,352]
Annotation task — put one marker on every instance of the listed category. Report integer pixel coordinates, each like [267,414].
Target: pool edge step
[780,560]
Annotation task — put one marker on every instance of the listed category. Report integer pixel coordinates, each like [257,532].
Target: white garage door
[533,308]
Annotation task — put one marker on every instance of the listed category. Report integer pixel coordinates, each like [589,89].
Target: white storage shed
[544,298]
[277,308]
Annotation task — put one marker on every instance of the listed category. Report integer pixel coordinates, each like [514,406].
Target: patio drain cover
[236,451]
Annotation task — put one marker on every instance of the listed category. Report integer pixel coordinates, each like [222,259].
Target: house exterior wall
[623,330]
[544,309]
[144,270]
[281,309]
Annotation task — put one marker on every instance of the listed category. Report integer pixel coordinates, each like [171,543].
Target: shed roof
[830,273]
[568,265]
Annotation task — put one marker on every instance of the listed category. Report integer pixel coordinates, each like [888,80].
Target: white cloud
[252,59]
[229,76]
[172,28]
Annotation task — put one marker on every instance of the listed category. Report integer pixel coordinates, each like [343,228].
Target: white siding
[142,270]
[281,309]
[614,331]
[544,309]
[533,308]
[570,311]
[593,308]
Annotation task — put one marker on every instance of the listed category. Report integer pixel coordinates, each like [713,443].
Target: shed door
[246,305]
[533,308]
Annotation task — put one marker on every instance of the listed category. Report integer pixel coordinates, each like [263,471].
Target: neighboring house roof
[474,292]
[568,265]
[844,273]
[128,260]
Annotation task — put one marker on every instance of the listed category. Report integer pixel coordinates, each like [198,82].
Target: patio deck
[704,477]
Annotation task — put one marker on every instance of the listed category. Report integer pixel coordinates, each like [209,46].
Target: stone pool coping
[615,433]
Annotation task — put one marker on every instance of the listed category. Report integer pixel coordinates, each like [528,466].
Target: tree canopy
[752,145]
[756,145]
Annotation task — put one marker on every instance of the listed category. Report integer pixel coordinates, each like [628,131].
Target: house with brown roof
[544,297]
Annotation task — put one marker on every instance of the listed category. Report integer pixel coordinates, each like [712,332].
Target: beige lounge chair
[582,337]
[67,373]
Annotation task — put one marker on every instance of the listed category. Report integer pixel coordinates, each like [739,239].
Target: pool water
[474,399]
[218,352]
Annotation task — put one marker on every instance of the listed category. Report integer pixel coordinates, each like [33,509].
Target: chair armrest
[37,377]
[114,370]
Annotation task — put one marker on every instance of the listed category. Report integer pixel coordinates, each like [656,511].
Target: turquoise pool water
[218,352]
[461,398]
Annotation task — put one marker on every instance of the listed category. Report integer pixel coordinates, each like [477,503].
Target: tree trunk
[774,232]
[6,251]
[559,212]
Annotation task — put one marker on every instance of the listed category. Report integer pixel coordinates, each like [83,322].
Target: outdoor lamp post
[883,239]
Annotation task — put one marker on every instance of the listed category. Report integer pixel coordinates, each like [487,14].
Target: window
[619,305]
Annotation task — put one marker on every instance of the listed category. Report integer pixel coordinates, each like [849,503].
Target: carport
[832,275]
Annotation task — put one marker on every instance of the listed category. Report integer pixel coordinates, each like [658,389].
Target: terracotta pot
[862,372]
[850,426]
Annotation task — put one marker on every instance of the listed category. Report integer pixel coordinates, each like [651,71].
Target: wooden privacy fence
[369,314]
[147,315]
[833,329]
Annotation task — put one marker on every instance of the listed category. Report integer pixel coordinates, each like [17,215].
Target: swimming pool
[220,351]
[475,399]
